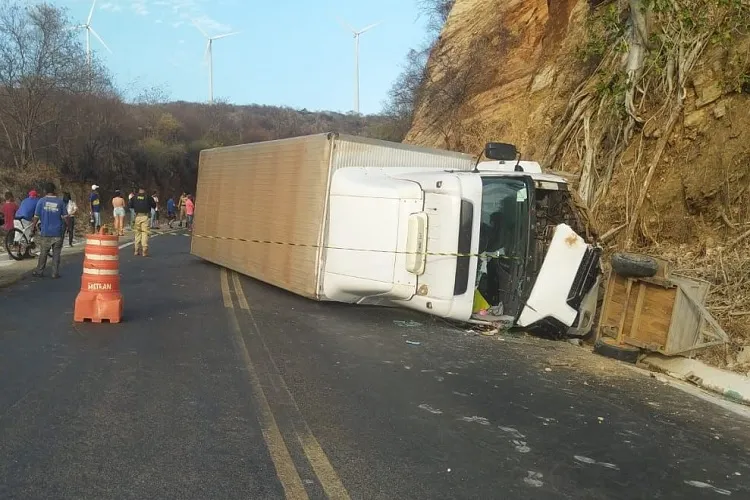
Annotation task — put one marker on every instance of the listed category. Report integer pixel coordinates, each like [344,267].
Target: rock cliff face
[538,74]
[517,60]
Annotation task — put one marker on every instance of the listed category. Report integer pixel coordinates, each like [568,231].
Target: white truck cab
[432,240]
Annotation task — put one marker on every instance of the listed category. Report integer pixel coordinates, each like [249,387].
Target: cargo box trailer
[341,218]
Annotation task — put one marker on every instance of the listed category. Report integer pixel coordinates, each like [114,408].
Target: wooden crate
[660,314]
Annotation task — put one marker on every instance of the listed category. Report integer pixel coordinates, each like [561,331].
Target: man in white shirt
[72,210]
[132,212]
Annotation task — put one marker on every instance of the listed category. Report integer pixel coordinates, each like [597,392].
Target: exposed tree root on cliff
[624,122]
[648,50]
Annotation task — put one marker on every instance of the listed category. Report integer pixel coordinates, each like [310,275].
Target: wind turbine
[209,56]
[90,31]
[356,58]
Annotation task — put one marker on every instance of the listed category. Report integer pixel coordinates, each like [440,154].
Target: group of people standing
[144,210]
[187,209]
[120,208]
[55,215]
[58,216]
[21,216]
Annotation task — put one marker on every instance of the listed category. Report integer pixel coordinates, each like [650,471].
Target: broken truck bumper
[564,297]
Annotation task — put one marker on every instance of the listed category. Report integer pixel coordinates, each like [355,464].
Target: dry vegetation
[647,51]
[638,120]
[416,85]
[61,121]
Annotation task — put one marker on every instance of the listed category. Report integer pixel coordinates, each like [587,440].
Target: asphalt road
[216,386]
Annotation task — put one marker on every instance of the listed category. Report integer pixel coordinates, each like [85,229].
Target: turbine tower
[209,56]
[90,31]
[357,34]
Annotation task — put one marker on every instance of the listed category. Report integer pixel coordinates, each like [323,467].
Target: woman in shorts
[118,206]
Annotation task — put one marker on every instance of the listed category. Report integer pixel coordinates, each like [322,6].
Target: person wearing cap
[25,215]
[142,204]
[96,207]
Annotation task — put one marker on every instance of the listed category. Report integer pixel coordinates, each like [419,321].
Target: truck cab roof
[508,168]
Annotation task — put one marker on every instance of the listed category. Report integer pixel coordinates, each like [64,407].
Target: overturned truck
[348,219]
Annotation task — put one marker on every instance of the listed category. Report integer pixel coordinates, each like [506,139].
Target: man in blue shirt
[96,207]
[54,216]
[171,211]
[24,215]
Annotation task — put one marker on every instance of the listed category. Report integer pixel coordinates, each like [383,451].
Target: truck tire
[606,347]
[633,265]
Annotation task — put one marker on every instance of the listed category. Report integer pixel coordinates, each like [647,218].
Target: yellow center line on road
[282,460]
[225,290]
[240,294]
[245,306]
[327,475]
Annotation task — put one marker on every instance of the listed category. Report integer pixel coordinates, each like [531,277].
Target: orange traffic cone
[100,298]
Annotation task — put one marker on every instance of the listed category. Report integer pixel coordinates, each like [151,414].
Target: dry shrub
[727,269]
[21,181]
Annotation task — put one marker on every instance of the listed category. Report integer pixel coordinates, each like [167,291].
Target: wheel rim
[17,250]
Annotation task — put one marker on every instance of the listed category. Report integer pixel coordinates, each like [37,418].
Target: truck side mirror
[500,151]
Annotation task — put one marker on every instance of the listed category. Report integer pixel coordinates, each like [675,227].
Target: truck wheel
[633,265]
[607,348]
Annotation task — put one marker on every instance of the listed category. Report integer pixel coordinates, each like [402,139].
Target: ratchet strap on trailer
[486,255]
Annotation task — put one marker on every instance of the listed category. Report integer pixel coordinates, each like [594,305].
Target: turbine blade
[100,39]
[368,28]
[91,12]
[200,29]
[208,48]
[346,25]
[226,35]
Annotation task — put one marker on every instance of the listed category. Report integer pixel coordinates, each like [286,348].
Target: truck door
[452,207]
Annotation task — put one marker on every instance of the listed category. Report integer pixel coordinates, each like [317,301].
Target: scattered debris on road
[591,461]
[478,420]
[426,407]
[534,479]
[702,485]
[406,324]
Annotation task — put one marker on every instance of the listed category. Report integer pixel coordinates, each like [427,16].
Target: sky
[288,52]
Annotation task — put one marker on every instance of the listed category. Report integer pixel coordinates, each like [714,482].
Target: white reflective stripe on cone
[102,243]
[101,257]
[101,272]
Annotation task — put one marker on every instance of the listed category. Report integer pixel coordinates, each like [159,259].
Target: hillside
[104,140]
[645,100]
[62,119]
